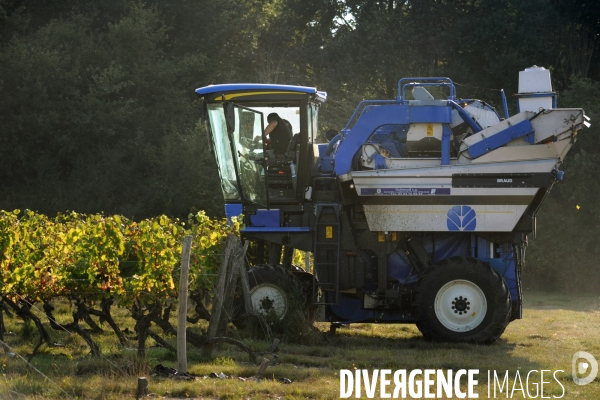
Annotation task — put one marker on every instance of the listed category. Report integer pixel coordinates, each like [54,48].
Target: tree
[96,116]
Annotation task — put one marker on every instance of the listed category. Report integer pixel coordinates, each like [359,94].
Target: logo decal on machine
[404,192]
[462,218]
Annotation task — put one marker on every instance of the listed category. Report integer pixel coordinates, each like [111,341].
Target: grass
[554,327]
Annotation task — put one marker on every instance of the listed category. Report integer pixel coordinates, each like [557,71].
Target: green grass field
[554,327]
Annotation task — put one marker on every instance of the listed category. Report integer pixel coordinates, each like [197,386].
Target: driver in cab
[277,134]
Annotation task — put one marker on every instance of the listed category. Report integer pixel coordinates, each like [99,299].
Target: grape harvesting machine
[418,211]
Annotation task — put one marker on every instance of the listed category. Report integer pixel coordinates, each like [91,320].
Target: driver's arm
[270,128]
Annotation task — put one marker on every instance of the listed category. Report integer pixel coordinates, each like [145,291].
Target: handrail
[419,81]
[366,102]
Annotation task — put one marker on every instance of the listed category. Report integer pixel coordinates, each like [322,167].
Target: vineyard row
[97,260]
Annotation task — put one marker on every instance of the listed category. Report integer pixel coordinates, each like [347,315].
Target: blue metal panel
[379,161]
[401,271]
[505,266]
[466,117]
[509,274]
[365,103]
[350,309]
[240,87]
[503,263]
[330,145]
[326,164]
[433,114]
[483,248]
[530,138]
[265,218]
[232,210]
[283,229]
[446,135]
[366,124]
[501,138]
[439,246]
[323,147]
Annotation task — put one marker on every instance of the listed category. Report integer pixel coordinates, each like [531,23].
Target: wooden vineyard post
[263,367]
[182,305]
[219,291]
[245,284]
[142,388]
[236,264]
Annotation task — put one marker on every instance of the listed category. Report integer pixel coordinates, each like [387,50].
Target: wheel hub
[460,304]
[266,304]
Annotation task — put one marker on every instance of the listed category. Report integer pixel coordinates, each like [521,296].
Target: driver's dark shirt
[280,137]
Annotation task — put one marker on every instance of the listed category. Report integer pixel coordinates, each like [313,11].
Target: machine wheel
[276,295]
[462,299]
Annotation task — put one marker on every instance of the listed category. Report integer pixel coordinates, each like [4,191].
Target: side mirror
[229,109]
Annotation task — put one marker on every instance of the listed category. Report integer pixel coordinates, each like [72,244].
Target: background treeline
[98,111]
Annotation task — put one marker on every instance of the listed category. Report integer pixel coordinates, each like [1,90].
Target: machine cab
[255,175]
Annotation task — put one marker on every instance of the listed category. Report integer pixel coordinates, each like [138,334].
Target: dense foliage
[98,111]
[96,261]
[92,257]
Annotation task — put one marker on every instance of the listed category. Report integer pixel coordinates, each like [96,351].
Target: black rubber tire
[476,272]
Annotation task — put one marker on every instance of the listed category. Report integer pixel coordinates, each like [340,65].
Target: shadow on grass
[370,346]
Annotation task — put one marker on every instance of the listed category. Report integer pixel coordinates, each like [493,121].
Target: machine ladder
[326,254]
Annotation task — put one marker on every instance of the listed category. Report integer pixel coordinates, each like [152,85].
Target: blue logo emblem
[461,218]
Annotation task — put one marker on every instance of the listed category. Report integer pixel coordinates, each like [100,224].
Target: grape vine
[98,260]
